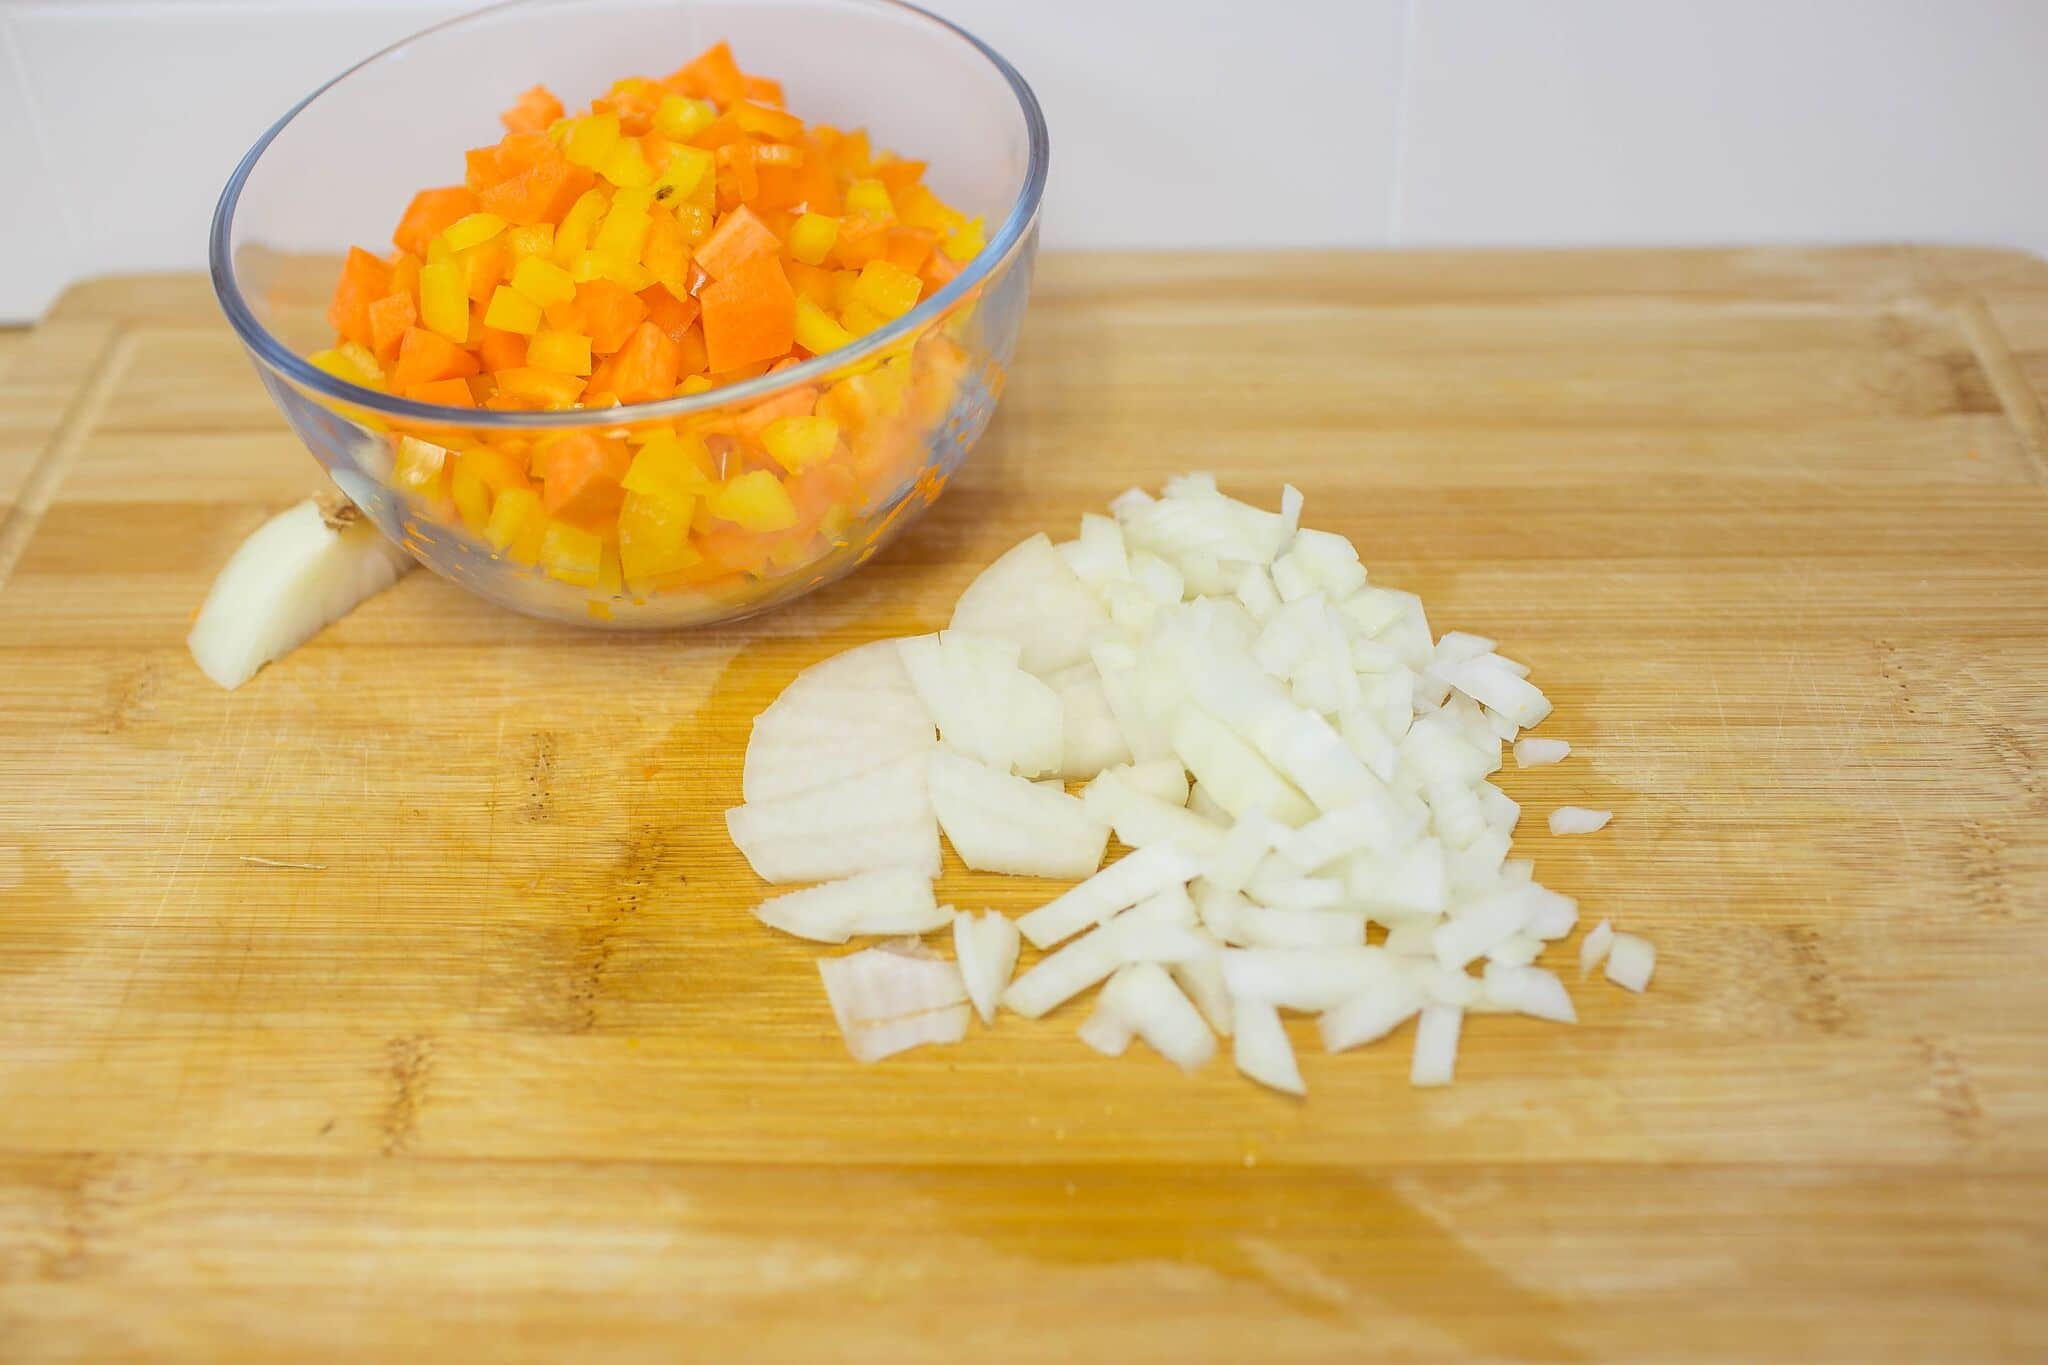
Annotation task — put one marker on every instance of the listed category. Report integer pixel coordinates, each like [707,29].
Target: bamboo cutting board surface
[405,1003]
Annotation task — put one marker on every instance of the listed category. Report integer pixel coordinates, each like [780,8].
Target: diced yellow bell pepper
[811,238]
[694,384]
[512,311]
[626,165]
[887,288]
[437,251]
[531,239]
[572,554]
[444,304]
[797,443]
[859,319]
[817,331]
[754,501]
[683,118]
[543,281]
[572,237]
[965,242]
[417,467]
[671,466]
[343,364]
[472,496]
[591,140]
[654,537]
[624,230]
[516,525]
[869,198]
[562,352]
[634,87]
[688,168]
[472,230]
[610,580]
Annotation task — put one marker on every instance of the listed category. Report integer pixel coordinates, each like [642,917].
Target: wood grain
[496,1064]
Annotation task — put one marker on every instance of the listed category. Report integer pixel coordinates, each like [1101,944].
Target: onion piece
[1268,926]
[1032,596]
[1261,1049]
[1106,1032]
[1594,950]
[1236,857]
[1369,1017]
[1630,961]
[985,947]
[1436,1046]
[895,900]
[1148,1002]
[1162,780]
[1529,990]
[1089,737]
[1232,771]
[1536,753]
[1311,979]
[299,572]
[984,703]
[1201,976]
[998,822]
[1141,820]
[873,820]
[1122,884]
[886,1002]
[1474,931]
[1578,820]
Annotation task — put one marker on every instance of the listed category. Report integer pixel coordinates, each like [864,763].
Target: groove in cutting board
[35,492]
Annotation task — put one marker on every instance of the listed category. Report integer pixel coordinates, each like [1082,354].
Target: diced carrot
[609,313]
[580,478]
[749,314]
[389,318]
[712,75]
[429,212]
[673,315]
[539,192]
[898,176]
[647,366]
[911,247]
[739,174]
[425,356]
[733,550]
[739,236]
[364,280]
[500,350]
[534,111]
[453,393]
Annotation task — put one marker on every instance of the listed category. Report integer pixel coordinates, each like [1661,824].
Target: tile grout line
[2022,405]
[40,489]
[1404,86]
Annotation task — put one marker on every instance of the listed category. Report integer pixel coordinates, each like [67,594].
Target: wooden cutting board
[405,1003]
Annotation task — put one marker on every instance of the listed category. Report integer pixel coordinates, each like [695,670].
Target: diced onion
[1535,753]
[1578,820]
[1630,961]
[1594,950]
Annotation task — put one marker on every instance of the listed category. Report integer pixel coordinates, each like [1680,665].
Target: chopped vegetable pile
[679,235]
[1288,755]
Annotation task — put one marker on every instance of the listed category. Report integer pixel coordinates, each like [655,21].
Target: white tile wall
[1198,122]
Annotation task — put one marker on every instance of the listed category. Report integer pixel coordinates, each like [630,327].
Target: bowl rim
[281,358]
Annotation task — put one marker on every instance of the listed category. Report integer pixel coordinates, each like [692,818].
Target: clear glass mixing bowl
[340,167]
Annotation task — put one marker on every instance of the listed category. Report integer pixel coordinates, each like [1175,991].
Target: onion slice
[887,1001]
[302,570]
[1261,1049]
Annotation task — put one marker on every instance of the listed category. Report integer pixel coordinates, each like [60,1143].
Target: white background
[1274,123]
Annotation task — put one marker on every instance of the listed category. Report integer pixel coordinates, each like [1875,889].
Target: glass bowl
[916,393]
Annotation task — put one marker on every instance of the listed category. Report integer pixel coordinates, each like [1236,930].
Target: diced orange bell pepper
[713,75]
[897,175]
[749,423]
[647,366]
[861,239]
[525,386]
[673,315]
[749,314]
[691,356]
[425,356]
[608,313]
[501,350]
[762,90]
[911,247]
[580,476]
[429,213]
[534,112]
[453,393]
[364,280]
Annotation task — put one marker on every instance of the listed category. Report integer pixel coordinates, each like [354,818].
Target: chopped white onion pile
[1287,752]
[305,568]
